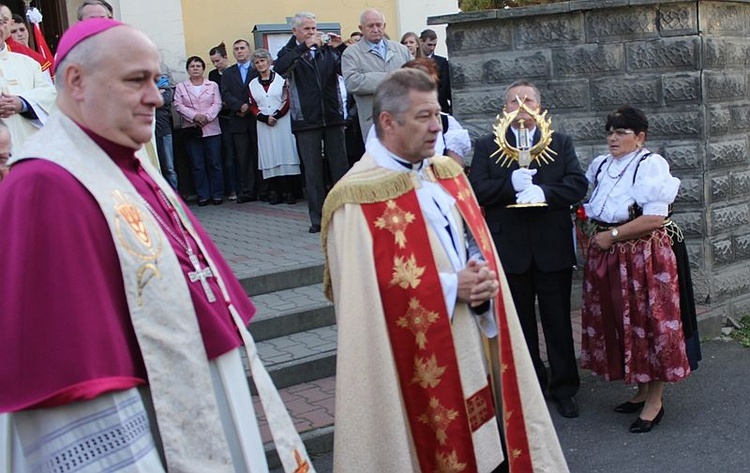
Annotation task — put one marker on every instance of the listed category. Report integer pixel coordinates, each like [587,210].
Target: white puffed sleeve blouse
[653,189]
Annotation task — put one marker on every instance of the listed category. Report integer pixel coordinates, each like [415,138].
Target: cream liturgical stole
[187,414]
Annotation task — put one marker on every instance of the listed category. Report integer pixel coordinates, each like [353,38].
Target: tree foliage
[475,5]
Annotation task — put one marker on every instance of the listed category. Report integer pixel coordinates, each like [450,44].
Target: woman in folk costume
[277,151]
[636,286]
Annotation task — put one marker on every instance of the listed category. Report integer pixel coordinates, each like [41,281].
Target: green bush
[742,335]
[475,5]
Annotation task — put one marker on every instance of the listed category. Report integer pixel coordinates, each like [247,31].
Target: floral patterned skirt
[631,312]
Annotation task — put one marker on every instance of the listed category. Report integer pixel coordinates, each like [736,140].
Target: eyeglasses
[620,132]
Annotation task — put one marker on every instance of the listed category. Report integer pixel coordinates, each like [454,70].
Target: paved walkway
[707,416]
[258,238]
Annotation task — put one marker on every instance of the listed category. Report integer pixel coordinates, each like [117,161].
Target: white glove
[532,195]
[522,179]
[34,15]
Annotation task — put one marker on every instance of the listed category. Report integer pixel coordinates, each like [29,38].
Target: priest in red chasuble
[433,373]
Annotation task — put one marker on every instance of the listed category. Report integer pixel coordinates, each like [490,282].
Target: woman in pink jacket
[198,101]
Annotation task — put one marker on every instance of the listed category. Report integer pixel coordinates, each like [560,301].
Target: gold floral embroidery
[417,320]
[438,418]
[302,465]
[463,194]
[395,220]
[448,463]
[129,221]
[427,372]
[134,230]
[406,273]
[517,453]
[477,410]
[484,241]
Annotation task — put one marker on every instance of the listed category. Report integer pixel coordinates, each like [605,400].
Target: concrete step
[289,311]
[299,357]
[283,279]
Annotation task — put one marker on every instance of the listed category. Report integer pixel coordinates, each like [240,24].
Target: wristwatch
[615,233]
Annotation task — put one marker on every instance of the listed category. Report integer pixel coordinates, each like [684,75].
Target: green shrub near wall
[475,5]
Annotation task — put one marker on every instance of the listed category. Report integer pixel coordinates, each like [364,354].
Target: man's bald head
[113,98]
[6,19]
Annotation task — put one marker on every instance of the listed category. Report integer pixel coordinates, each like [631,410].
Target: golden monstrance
[524,152]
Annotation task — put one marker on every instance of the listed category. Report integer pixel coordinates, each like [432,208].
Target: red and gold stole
[516,437]
[420,334]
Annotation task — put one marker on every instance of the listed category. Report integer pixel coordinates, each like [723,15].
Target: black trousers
[310,147]
[250,181]
[552,290]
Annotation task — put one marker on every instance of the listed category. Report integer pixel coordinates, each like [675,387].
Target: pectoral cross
[202,275]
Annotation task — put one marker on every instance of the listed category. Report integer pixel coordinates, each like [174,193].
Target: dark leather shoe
[217,201]
[246,198]
[290,200]
[567,407]
[314,229]
[641,426]
[629,407]
[274,199]
[265,197]
[202,203]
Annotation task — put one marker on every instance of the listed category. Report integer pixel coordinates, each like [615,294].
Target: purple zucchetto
[81,31]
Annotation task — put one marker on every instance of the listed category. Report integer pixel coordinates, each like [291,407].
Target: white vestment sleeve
[41,98]
[449,281]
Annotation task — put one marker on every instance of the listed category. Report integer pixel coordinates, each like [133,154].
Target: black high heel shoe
[641,426]
[629,407]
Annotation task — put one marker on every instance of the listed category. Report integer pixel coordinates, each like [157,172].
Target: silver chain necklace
[198,273]
[617,179]
[618,176]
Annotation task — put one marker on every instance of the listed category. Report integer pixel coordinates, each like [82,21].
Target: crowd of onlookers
[267,127]
[271,127]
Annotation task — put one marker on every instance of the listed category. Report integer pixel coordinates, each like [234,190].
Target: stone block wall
[685,63]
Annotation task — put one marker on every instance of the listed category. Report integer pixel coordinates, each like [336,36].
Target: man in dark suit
[427,42]
[535,244]
[218,56]
[242,124]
